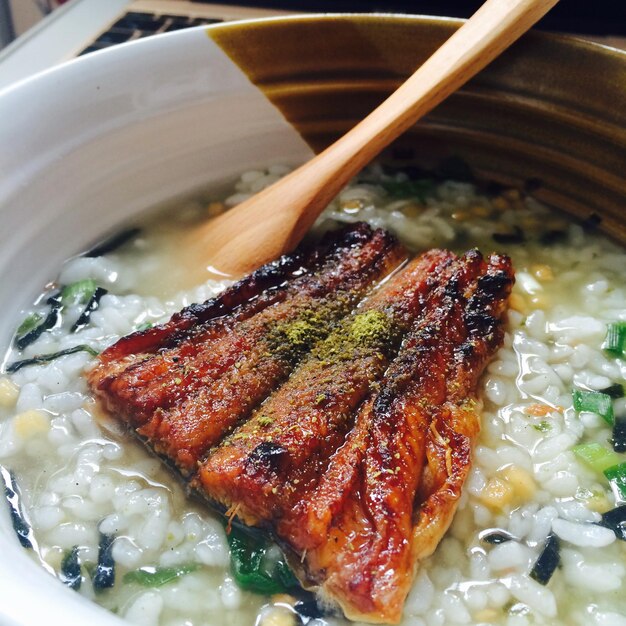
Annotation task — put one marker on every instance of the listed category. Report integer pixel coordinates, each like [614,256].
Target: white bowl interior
[89,145]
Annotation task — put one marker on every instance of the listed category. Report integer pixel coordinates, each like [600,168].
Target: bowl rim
[573,40]
[64,598]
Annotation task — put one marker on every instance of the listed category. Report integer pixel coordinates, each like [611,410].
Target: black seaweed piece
[113,243]
[552,236]
[309,609]
[104,574]
[619,433]
[20,523]
[46,358]
[615,391]
[615,519]
[50,322]
[517,236]
[495,537]
[90,307]
[591,222]
[70,570]
[548,561]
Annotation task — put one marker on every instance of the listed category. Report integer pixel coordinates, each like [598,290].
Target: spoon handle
[492,29]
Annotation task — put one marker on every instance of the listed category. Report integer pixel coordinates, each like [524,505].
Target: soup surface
[91,498]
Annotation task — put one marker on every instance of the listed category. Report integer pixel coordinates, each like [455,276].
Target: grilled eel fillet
[352,446]
[186,384]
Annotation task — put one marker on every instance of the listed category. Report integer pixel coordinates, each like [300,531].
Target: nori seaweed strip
[91,306]
[614,391]
[309,609]
[615,519]
[50,322]
[46,358]
[548,561]
[70,570]
[104,574]
[113,243]
[619,433]
[20,522]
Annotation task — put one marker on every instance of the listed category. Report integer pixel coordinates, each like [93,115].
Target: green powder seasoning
[370,331]
[371,328]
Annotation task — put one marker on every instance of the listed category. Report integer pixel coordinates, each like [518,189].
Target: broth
[80,476]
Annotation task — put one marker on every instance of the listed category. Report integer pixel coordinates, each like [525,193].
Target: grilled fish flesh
[330,398]
[187,389]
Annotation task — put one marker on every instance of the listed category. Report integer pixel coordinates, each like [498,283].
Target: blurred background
[36,34]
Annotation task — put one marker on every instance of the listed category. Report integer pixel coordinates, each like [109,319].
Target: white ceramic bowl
[87,145]
[83,147]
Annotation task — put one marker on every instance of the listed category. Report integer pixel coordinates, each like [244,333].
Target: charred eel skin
[329,398]
[189,392]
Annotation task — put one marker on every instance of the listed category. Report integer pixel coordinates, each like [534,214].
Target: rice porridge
[536,538]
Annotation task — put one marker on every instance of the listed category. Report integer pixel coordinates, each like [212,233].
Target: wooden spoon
[274,221]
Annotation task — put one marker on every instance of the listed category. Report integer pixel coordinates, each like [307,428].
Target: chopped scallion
[594,402]
[597,457]
[30,323]
[254,568]
[158,576]
[79,292]
[615,342]
[617,479]
[543,427]
[22,340]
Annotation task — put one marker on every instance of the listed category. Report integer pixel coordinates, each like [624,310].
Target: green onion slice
[617,479]
[594,402]
[615,342]
[254,568]
[158,576]
[79,292]
[30,323]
